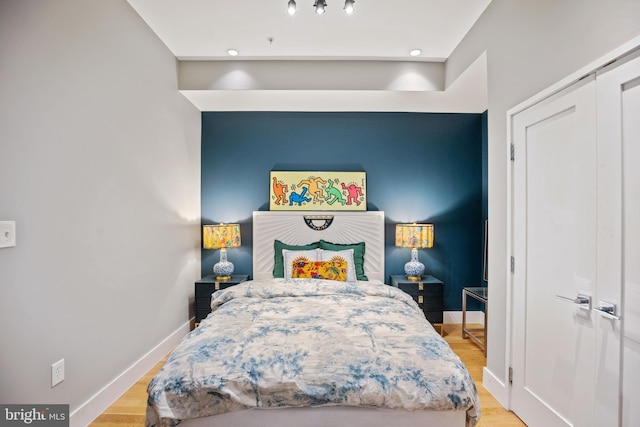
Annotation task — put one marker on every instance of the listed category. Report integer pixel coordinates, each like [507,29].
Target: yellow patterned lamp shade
[221,236]
[414,236]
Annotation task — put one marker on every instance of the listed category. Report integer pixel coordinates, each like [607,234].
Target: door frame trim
[502,390]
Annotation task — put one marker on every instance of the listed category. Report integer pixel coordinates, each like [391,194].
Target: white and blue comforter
[299,342]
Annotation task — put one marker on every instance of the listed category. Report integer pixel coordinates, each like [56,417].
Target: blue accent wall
[421,167]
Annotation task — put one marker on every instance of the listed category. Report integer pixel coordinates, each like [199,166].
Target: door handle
[583,301]
[607,309]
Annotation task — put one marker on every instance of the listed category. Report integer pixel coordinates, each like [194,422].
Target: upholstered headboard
[299,228]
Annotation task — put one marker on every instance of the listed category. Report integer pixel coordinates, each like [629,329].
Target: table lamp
[221,236]
[414,236]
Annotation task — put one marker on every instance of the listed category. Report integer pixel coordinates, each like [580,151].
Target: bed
[311,349]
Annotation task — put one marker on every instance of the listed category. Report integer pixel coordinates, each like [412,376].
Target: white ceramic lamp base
[414,268]
[223,269]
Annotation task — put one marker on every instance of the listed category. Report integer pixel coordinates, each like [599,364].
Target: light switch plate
[7,234]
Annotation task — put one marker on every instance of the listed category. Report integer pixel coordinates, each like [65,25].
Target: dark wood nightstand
[428,293]
[207,286]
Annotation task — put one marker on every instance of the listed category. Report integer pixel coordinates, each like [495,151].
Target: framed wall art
[317,191]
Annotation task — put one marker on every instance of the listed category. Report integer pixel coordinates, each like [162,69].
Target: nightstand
[428,293]
[207,286]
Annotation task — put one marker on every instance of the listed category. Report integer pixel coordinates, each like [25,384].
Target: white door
[618,341]
[576,243]
[555,251]
[630,96]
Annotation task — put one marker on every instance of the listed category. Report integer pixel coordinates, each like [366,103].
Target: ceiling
[329,62]
[262,29]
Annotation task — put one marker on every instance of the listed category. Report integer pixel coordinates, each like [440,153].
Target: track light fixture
[291,7]
[320,5]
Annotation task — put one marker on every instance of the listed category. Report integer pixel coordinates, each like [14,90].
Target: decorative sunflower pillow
[326,270]
[344,255]
[290,256]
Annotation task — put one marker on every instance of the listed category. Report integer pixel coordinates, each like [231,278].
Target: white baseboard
[497,388]
[96,405]
[456,317]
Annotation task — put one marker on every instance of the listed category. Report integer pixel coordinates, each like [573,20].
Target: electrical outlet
[57,373]
[7,234]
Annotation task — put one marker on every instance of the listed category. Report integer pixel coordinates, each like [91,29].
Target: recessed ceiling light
[415,52]
[232,52]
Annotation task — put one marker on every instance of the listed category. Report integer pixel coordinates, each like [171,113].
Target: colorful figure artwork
[311,191]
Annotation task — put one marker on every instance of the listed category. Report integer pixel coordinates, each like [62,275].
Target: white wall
[100,169]
[530,45]
[311,75]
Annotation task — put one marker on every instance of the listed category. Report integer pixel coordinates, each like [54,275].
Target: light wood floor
[129,409]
